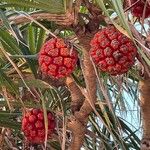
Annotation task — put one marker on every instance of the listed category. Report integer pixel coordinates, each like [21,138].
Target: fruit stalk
[144,87]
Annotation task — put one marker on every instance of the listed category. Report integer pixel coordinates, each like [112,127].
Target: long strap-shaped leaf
[25,49]
[6,81]
[52,6]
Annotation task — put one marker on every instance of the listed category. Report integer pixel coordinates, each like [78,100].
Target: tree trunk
[144,87]
[78,122]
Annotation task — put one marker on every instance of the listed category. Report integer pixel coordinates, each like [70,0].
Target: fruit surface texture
[33,125]
[56,59]
[140,8]
[112,51]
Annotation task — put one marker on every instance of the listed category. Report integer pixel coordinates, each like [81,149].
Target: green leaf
[37,83]
[40,39]
[9,42]
[52,6]
[5,20]
[7,82]
[31,39]
[25,49]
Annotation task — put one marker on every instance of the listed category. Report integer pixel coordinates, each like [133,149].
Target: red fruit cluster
[140,8]
[112,51]
[33,125]
[56,59]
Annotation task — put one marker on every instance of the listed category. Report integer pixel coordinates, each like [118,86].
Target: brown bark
[90,80]
[77,97]
[144,87]
[78,132]
[64,19]
[79,121]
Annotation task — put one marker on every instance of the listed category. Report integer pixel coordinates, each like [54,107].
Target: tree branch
[79,121]
[77,97]
[144,87]
[64,19]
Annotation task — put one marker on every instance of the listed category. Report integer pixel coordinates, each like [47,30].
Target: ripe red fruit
[112,51]
[139,8]
[33,125]
[56,59]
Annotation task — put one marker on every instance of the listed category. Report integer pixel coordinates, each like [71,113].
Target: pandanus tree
[70,70]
